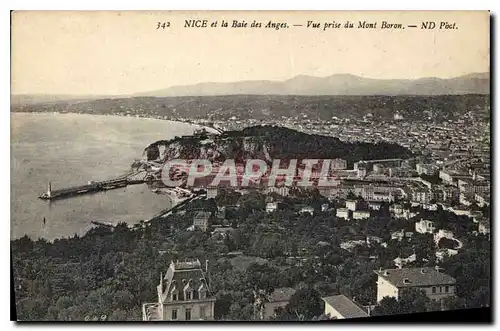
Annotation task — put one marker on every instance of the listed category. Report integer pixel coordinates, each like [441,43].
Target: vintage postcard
[250,165]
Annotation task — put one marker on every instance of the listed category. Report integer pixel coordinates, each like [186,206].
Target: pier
[129,178]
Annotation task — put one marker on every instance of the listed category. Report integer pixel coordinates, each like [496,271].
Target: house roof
[202,215]
[281,294]
[223,229]
[181,274]
[412,277]
[345,306]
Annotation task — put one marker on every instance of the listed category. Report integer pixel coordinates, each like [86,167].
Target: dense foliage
[288,143]
[285,144]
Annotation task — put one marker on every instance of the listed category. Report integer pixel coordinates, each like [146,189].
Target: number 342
[162,25]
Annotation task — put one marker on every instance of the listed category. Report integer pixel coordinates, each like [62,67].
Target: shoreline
[83,231]
[117,116]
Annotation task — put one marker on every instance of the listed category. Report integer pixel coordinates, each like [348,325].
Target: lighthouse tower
[49,190]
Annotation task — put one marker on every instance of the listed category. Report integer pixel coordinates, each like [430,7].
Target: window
[188,295]
[195,295]
[174,314]
[433,289]
[440,289]
[447,289]
[202,311]
[202,295]
[188,314]
[175,297]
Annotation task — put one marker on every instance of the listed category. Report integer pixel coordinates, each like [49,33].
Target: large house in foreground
[435,284]
[183,294]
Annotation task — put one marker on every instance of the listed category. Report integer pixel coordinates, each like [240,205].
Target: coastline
[145,117]
[83,229]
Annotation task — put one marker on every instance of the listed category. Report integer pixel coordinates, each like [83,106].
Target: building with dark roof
[183,294]
[435,284]
[340,307]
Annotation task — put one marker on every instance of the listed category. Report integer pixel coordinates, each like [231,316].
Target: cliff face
[213,148]
[268,143]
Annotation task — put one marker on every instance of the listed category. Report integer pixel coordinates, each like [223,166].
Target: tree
[222,306]
[410,301]
[123,300]
[30,310]
[305,304]
[387,306]
[118,315]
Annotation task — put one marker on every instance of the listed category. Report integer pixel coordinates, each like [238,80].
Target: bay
[72,149]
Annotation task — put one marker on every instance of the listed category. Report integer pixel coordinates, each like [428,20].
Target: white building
[426,169]
[343,213]
[482,199]
[212,192]
[446,176]
[271,207]
[435,284]
[360,214]
[374,205]
[338,164]
[425,226]
[421,195]
[398,235]
[308,210]
[281,190]
[466,199]
[351,204]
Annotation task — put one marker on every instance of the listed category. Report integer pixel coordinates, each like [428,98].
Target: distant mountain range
[339,84]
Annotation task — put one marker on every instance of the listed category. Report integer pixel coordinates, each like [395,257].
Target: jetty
[129,178]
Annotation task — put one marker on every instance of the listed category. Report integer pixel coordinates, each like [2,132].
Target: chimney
[49,190]
[206,266]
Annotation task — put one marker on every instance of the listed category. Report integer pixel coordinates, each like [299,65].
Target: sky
[113,53]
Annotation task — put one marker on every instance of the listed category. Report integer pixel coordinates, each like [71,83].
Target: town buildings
[435,284]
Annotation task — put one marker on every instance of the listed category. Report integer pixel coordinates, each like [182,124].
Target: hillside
[272,142]
[273,107]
